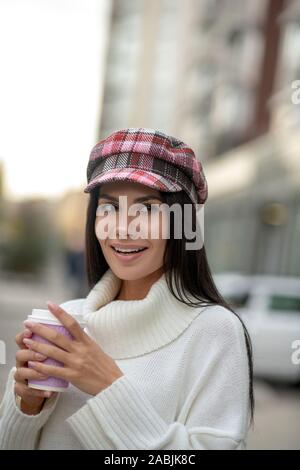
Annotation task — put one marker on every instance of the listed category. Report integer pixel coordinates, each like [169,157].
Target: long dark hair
[187,269]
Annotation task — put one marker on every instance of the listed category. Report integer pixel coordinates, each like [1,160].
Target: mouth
[128,254]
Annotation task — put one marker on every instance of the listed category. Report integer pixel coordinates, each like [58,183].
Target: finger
[24,391]
[68,321]
[53,371]
[25,373]
[50,334]
[48,350]
[25,355]
[20,336]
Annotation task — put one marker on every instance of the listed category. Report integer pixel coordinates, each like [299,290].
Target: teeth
[128,251]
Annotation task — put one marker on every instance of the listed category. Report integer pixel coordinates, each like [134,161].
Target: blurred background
[222,75]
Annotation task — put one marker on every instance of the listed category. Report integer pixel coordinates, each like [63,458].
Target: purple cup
[46,318]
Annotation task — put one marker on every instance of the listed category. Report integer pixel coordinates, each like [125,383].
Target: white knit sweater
[185,382]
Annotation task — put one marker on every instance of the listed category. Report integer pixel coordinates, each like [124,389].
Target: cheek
[101,235]
[158,226]
[157,249]
[98,228]
[103,227]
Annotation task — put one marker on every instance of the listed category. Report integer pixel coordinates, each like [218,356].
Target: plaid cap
[148,157]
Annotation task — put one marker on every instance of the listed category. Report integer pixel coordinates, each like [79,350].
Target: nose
[122,230]
[130,226]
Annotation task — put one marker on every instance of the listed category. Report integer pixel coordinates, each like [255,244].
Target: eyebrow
[138,199]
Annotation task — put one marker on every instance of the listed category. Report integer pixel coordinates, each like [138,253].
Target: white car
[270,309]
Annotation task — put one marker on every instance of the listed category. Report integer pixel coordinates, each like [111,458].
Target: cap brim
[147,178]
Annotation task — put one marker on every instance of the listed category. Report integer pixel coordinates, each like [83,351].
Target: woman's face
[118,228]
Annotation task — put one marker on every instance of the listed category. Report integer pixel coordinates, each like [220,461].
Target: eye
[105,207]
[146,208]
[142,208]
[154,207]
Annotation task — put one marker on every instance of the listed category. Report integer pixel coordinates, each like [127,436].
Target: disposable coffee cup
[46,318]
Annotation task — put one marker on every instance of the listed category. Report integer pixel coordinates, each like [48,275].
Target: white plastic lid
[40,315]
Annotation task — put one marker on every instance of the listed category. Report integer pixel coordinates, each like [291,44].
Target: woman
[164,362]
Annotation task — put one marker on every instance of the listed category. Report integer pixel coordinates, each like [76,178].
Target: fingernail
[27,341]
[47,394]
[29,324]
[31,363]
[27,333]
[50,304]
[40,356]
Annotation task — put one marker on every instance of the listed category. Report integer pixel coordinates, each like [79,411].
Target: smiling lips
[127,248]
[128,253]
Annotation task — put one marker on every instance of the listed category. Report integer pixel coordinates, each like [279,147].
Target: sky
[52,63]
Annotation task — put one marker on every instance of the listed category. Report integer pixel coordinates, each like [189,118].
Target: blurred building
[1,194]
[146,60]
[4,229]
[69,216]
[1,183]
[190,68]
[25,238]
[219,75]
[254,198]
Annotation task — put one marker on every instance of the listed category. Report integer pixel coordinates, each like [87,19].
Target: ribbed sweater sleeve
[17,429]
[213,416]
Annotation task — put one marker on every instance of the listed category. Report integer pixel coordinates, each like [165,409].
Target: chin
[134,272]
[130,273]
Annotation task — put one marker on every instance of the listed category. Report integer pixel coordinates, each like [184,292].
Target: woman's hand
[86,366]
[32,399]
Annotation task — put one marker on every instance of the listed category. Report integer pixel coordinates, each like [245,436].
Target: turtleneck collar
[131,328]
